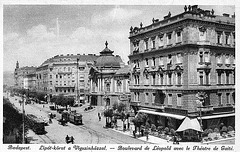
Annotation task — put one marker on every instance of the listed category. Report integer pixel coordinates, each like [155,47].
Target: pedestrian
[67,139]
[72,139]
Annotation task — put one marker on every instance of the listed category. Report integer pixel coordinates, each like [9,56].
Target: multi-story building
[20,75]
[184,65]
[109,80]
[65,74]
[29,81]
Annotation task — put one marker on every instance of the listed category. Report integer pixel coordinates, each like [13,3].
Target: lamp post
[23,134]
[201,96]
[77,79]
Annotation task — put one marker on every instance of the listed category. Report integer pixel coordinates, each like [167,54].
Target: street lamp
[23,117]
[201,96]
[77,80]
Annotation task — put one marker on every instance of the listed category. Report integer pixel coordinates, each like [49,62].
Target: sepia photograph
[119,74]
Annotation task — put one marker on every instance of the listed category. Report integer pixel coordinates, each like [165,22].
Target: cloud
[40,32]
[82,33]
[10,37]
[116,14]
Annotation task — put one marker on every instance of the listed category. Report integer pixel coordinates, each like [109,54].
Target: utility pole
[77,80]
[23,115]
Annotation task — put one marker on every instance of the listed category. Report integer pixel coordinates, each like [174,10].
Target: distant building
[21,74]
[65,74]
[184,65]
[109,80]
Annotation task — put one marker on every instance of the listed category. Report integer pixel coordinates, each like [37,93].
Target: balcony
[221,109]
[65,86]
[135,103]
[176,111]
[205,108]
[159,105]
[64,72]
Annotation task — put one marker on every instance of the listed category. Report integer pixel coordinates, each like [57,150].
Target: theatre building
[184,66]
[109,80]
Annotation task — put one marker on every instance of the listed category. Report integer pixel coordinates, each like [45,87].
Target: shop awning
[217,116]
[163,114]
[190,124]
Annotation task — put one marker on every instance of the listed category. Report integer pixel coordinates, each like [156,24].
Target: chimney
[226,15]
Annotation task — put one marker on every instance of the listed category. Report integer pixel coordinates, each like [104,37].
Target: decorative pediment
[178,69]
[202,28]
[160,70]
[145,71]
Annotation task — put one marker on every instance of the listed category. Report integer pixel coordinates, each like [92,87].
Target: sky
[30,34]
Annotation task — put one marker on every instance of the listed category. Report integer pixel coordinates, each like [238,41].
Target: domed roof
[107,59]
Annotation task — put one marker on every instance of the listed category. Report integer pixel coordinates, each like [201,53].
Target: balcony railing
[223,109]
[205,108]
[65,86]
[176,111]
[64,72]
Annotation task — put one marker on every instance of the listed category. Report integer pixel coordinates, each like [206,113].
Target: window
[161,79]
[202,35]
[179,100]
[219,59]
[153,97]
[56,90]
[227,59]
[136,94]
[169,36]
[72,90]
[119,86]
[169,99]
[69,70]
[220,99]
[219,78]
[60,76]
[81,68]
[227,78]
[228,98]
[179,58]
[108,87]
[50,82]
[146,44]
[169,59]
[147,79]
[68,90]
[170,79]
[201,57]
[161,41]
[207,77]
[179,78]
[219,37]
[50,76]
[178,37]
[153,43]
[153,61]
[206,57]
[201,78]
[154,79]
[161,60]
[146,97]
[146,62]
[227,39]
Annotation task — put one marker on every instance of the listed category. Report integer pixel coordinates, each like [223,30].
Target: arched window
[108,87]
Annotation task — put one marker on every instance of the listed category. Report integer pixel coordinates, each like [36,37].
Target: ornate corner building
[109,80]
[184,65]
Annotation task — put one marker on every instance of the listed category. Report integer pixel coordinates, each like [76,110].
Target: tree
[108,113]
[139,120]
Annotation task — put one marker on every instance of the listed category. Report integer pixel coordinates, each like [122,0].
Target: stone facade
[109,80]
[21,75]
[65,74]
[175,59]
